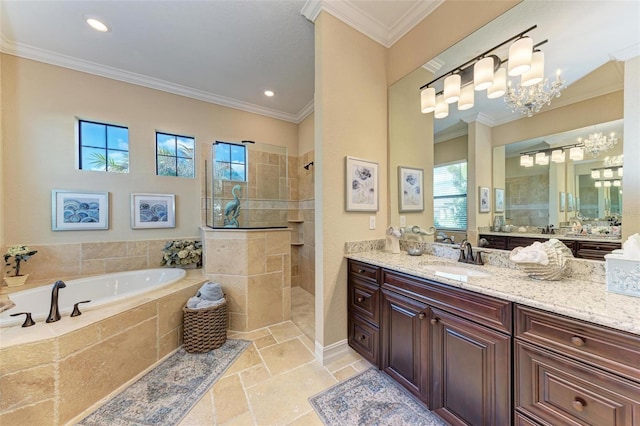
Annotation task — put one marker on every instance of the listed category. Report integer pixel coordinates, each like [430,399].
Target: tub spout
[54,311]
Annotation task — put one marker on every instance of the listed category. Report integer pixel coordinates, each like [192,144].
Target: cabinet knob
[433,321]
[422,315]
[361,271]
[578,404]
[362,337]
[577,341]
[360,299]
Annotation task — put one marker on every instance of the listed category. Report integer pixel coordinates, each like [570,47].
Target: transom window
[174,155]
[231,161]
[103,147]
[450,196]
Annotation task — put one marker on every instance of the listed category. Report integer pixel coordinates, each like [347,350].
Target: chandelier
[528,100]
[597,143]
[486,73]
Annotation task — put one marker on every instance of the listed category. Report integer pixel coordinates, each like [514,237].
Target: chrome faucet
[54,311]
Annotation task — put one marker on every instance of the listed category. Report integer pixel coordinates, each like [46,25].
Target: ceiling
[582,36]
[226,52]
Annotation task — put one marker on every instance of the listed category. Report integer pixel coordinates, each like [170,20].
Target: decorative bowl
[414,251]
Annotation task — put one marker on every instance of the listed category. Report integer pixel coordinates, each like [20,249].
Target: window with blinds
[450,196]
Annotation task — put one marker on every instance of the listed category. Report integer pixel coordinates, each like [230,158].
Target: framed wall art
[361,185]
[79,210]
[153,211]
[484,199]
[410,189]
[498,200]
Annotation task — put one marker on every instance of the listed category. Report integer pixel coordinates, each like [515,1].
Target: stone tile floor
[270,383]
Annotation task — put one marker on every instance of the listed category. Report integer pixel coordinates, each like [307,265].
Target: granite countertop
[584,300]
[558,236]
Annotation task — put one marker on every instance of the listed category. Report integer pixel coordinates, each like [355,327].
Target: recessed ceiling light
[269,93]
[97,25]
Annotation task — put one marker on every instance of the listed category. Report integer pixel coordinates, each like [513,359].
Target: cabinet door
[405,338]
[470,372]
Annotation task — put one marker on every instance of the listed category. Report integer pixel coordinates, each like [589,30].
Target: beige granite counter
[581,299]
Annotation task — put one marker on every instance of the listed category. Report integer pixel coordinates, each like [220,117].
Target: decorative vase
[16,281]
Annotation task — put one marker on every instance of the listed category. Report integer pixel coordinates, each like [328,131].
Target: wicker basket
[204,329]
[557,253]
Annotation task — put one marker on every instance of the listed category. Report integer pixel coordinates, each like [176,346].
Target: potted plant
[13,257]
[181,253]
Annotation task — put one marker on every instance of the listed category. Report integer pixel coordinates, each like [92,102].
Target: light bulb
[608,173]
[442,108]
[595,174]
[542,159]
[536,73]
[483,73]
[520,53]
[452,88]
[467,97]
[557,156]
[499,86]
[428,100]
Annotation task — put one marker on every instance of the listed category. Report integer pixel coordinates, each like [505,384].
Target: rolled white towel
[210,303]
[193,302]
[210,291]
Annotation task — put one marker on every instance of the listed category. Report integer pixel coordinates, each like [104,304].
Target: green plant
[182,252]
[19,254]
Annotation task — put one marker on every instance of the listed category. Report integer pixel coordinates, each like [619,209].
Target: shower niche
[246,185]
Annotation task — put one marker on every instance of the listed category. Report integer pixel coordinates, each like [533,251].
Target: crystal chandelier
[529,100]
[597,143]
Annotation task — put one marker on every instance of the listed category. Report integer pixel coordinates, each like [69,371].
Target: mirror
[608,42]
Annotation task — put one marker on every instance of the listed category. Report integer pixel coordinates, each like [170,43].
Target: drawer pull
[422,315]
[433,321]
[360,299]
[578,404]
[362,337]
[361,271]
[577,341]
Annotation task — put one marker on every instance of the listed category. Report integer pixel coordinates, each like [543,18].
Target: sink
[458,273]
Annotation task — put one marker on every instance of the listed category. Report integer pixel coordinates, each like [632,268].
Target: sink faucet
[466,254]
[54,311]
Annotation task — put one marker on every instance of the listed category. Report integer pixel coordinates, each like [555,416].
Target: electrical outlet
[372,222]
[403,221]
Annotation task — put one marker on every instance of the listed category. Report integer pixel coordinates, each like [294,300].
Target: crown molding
[451,133]
[53,58]
[364,23]
[480,118]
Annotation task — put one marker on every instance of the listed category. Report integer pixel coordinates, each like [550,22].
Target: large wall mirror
[589,43]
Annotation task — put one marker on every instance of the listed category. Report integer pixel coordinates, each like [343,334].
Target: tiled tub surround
[76,260]
[581,295]
[49,373]
[254,268]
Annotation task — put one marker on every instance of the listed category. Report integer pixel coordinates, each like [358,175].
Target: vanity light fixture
[595,174]
[442,108]
[542,158]
[617,182]
[598,184]
[607,173]
[576,153]
[620,171]
[607,184]
[557,156]
[467,97]
[526,160]
[484,73]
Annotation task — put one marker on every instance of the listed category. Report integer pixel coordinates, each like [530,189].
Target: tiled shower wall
[527,200]
[305,266]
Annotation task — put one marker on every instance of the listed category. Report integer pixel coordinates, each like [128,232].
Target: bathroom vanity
[582,247]
[497,350]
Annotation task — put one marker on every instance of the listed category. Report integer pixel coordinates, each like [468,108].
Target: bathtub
[101,290]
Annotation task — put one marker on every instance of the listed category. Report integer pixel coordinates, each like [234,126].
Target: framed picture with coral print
[153,211]
[79,210]
[361,185]
[484,199]
[498,200]
[410,190]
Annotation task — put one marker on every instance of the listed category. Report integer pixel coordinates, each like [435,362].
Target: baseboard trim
[326,354]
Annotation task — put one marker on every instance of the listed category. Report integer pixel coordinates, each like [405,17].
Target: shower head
[306,167]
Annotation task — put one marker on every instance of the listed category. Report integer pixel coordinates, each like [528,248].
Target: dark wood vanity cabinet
[569,372]
[594,250]
[364,310]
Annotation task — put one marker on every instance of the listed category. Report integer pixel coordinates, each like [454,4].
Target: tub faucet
[54,311]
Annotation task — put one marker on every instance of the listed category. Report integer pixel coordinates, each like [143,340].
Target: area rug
[165,394]
[371,398]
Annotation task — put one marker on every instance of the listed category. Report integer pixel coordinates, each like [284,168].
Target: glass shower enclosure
[246,186]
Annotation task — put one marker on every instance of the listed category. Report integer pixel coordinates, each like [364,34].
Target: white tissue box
[623,275]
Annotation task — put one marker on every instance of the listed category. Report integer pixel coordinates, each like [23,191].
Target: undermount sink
[458,273]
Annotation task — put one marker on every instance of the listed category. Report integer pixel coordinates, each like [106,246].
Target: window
[103,147]
[174,155]
[231,161]
[450,196]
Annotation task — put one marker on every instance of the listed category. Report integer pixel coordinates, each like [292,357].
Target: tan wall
[2,170]
[350,119]
[40,103]
[450,151]
[631,198]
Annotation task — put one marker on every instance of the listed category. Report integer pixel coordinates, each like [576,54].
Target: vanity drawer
[364,338]
[555,390]
[613,350]
[595,250]
[363,271]
[485,310]
[523,242]
[495,242]
[364,298]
